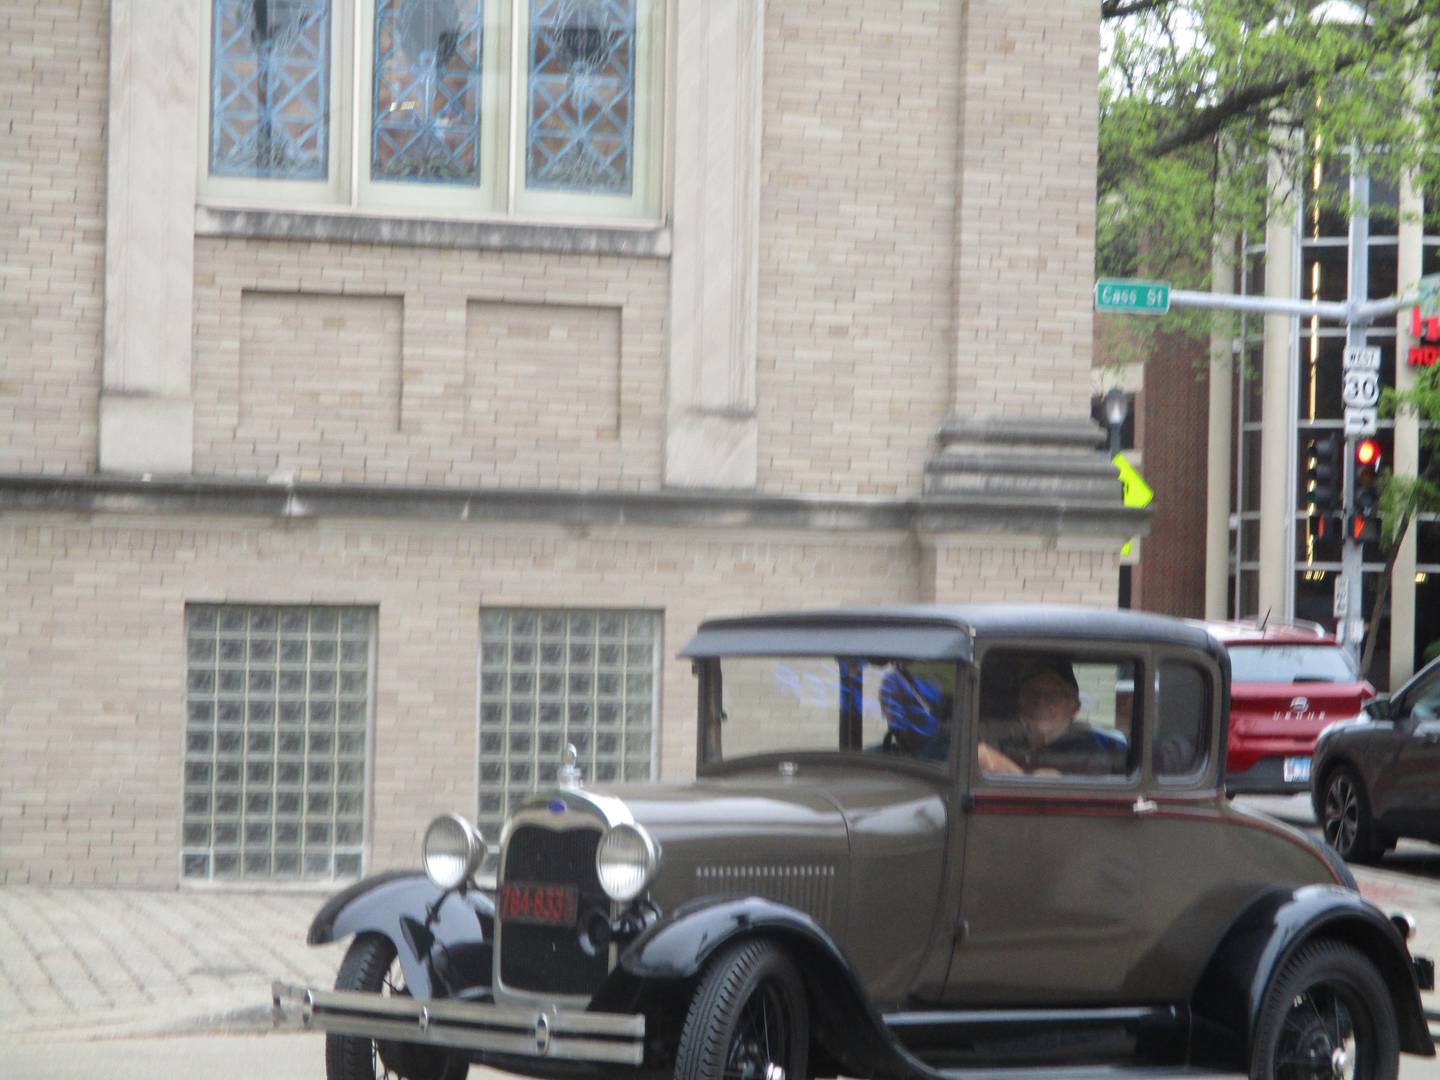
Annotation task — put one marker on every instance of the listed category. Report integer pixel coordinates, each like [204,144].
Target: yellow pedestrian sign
[1137,492]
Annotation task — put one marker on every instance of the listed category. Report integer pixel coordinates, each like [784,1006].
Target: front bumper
[557,1035]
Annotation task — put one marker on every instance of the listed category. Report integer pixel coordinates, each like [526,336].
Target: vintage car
[922,841]
[1288,680]
[1377,776]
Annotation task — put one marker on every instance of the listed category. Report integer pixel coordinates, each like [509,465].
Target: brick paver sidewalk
[98,962]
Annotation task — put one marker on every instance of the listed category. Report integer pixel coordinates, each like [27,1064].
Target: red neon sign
[1426,331]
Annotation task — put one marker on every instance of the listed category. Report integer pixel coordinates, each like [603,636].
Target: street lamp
[1116,404]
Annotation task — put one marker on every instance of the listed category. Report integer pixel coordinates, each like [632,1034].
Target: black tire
[370,966]
[747,1019]
[1326,1014]
[1345,817]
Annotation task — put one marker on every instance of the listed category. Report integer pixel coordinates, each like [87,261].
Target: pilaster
[711,438]
[146,413]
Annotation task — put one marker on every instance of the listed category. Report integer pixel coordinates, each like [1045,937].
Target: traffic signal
[1323,481]
[1365,509]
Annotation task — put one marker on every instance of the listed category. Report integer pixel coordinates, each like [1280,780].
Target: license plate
[538,904]
[1297,769]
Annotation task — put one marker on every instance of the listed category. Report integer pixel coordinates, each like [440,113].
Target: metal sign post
[1362,370]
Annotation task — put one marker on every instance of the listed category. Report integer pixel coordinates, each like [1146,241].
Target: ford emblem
[557,806]
[542,1034]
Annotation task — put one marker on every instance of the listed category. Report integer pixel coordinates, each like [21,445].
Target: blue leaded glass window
[427,99]
[581,114]
[270,89]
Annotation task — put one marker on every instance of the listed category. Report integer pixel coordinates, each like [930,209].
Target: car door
[1407,793]
[1052,872]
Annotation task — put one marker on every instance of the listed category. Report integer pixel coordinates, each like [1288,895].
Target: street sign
[1362,390]
[1342,598]
[1132,297]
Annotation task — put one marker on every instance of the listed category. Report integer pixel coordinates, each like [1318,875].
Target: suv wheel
[1345,818]
[748,1019]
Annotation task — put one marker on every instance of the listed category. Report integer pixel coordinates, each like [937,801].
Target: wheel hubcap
[762,1038]
[1342,814]
[1318,1039]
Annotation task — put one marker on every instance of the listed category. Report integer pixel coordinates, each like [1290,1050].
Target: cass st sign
[1134,297]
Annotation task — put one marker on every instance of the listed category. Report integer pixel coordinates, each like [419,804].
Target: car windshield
[784,704]
[1290,663]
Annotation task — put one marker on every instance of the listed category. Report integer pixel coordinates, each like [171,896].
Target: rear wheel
[371,966]
[1326,1015]
[748,1019]
[1345,818]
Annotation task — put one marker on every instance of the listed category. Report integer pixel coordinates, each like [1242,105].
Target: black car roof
[933,631]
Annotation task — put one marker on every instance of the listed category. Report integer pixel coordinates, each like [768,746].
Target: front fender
[847,1025]
[443,939]
[1232,990]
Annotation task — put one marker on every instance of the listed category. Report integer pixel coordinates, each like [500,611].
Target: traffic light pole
[1350,614]
[1356,313]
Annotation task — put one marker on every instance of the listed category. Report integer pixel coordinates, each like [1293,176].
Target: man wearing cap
[1048,739]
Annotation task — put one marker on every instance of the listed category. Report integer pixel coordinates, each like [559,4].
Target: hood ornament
[570,767]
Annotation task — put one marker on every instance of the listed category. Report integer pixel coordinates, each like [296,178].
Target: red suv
[1288,681]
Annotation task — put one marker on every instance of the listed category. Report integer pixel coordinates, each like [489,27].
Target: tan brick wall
[1025,256]
[93,660]
[320,373]
[443,367]
[857,242]
[53,80]
[1020,569]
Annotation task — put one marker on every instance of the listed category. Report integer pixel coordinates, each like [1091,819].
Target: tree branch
[1118,9]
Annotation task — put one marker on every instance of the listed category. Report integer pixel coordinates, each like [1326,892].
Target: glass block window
[427,97]
[270,88]
[548,678]
[581,95]
[277,727]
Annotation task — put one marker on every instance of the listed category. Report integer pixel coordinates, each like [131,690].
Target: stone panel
[543,380]
[319,376]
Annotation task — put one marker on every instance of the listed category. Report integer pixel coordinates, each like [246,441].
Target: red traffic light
[1367,452]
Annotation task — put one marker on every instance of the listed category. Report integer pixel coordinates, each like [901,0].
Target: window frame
[1081,652]
[349,189]
[1198,776]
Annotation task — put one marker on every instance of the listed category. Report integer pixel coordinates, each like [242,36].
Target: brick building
[388,388]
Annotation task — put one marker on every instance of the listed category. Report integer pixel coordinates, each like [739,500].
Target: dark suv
[1287,681]
[920,840]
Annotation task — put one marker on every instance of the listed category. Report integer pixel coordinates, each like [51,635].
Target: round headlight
[453,850]
[625,861]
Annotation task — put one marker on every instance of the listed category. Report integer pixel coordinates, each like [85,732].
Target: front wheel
[1326,1015]
[748,1019]
[371,966]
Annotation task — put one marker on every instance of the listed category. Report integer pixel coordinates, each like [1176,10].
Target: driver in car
[1049,740]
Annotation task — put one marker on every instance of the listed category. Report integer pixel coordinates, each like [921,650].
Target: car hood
[790,838]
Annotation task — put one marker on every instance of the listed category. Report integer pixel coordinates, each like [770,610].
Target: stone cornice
[966,513]
[244,223]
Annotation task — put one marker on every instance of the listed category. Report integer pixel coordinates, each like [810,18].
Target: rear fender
[443,939]
[679,946]
[1231,993]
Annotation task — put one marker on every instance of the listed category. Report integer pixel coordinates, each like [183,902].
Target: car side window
[1054,714]
[1183,707]
[1424,704]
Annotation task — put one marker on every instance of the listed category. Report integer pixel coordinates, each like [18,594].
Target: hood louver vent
[807,888]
